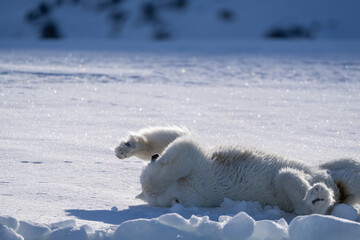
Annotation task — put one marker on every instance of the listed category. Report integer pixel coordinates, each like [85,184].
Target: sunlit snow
[65,105]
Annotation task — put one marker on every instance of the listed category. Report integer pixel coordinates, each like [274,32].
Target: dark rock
[108,4]
[226,15]
[50,31]
[295,31]
[149,12]
[44,9]
[118,16]
[161,34]
[59,2]
[179,4]
[32,16]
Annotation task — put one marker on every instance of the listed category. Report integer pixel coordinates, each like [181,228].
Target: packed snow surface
[64,106]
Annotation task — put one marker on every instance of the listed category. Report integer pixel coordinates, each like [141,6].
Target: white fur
[148,141]
[188,174]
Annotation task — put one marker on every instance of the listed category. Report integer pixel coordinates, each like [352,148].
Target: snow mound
[9,222]
[241,226]
[8,233]
[174,226]
[32,231]
[345,211]
[323,227]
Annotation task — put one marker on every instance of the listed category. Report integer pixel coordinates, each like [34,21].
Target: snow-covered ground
[64,105]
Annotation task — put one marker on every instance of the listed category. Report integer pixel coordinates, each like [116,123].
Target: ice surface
[64,105]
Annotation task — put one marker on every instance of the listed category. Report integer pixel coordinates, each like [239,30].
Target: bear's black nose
[154,157]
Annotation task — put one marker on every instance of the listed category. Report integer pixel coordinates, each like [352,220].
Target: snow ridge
[174,226]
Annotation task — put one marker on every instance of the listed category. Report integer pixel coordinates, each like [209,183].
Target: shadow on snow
[148,212]
[118,217]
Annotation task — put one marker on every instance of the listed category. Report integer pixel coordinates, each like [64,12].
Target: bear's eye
[128,144]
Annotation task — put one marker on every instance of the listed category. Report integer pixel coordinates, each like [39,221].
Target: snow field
[63,106]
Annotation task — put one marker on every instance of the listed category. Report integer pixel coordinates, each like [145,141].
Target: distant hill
[180,19]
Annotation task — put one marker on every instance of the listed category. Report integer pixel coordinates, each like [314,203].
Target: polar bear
[188,174]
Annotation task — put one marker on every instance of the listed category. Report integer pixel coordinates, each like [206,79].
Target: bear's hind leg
[292,184]
[291,187]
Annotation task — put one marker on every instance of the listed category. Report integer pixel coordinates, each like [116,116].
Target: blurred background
[164,20]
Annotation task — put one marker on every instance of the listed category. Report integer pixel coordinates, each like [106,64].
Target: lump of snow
[254,209]
[64,224]
[144,229]
[323,227]
[282,222]
[10,222]
[205,228]
[178,208]
[176,221]
[241,206]
[274,212]
[345,211]
[114,209]
[32,231]
[9,233]
[241,226]
[170,226]
[269,230]
[69,234]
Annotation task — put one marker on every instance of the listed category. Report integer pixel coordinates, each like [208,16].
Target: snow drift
[174,226]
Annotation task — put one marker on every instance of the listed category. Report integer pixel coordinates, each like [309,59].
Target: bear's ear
[140,196]
[137,140]
[133,138]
